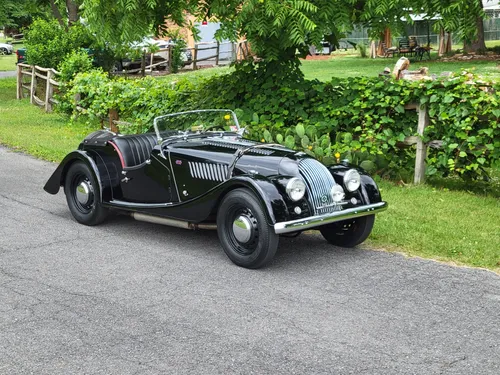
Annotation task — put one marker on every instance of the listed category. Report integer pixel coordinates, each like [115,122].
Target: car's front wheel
[348,233]
[243,229]
[4,51]
[82,195]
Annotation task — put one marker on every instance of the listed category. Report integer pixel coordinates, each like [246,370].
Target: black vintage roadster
[203,174]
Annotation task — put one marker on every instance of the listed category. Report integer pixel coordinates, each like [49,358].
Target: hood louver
[240,145]
[208,171]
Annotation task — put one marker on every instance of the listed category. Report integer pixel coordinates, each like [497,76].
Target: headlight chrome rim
[296,189]
[352,180]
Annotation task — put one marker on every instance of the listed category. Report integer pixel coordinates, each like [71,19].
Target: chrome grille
[208,171]
[319,183]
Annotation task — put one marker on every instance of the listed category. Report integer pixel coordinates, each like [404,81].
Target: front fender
[369,191]
[55,181]
[266,190]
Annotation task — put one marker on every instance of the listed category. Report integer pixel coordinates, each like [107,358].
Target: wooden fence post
[217,54]
[195,56]
[113,116]
[19,94]
[423,121]
[48,92]
[33,84]
[170,59]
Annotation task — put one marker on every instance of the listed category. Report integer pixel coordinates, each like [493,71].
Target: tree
[66,12]
[17,14]
[276,29]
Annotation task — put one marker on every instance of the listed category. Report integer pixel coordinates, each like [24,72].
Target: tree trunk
[73,9]
[477,45]
[56,13]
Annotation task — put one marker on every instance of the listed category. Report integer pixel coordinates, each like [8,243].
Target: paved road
[8,74]
[134,298]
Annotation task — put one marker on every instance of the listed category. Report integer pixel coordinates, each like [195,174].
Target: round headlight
[352,180]
[295,188]
[337,193]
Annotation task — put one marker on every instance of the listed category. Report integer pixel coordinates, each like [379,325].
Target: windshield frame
[157,131]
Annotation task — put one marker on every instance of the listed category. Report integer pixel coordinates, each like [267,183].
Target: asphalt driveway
[135,298]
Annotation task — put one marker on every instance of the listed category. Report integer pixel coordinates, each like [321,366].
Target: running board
[171,222]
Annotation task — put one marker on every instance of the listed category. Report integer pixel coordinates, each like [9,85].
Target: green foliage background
[362,119]
[48,43]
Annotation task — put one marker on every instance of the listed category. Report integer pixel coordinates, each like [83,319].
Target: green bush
[177,51]
[74,63]
[361,119]
[48,43]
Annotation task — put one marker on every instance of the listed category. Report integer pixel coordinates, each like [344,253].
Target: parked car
[128,63]
[6,49]
[202,174]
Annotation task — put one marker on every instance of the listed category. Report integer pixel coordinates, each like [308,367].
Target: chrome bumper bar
[316,221]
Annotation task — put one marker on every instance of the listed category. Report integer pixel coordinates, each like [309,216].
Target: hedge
[362,119]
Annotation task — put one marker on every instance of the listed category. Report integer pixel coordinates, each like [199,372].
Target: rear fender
[58,177]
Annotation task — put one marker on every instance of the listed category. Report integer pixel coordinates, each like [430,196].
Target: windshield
[201,120]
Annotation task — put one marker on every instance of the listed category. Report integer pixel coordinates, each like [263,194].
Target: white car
[186,55]
[6,49]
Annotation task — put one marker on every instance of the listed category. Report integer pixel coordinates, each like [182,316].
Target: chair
[404,47]
[388,52]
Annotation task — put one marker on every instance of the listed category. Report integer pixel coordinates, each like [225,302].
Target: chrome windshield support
[316,221]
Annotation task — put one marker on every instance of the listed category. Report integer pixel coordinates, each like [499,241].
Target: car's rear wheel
[243,229]
[82,195]
[348,233]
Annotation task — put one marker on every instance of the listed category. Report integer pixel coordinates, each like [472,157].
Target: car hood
[247,157]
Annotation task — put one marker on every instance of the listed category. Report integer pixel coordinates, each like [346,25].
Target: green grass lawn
[427,221]
[8,62]
[341,65]
[27,128]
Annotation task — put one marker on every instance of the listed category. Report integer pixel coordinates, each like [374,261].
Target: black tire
[4,51]
[348,233]
[90,212]
[260,246]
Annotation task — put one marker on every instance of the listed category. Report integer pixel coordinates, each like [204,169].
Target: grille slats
[241,145]
[319,182]
[208,171]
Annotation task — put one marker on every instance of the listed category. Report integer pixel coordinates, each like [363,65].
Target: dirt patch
[471,57]
[317,57]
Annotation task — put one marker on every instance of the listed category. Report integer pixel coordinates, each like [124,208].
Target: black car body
[207,178]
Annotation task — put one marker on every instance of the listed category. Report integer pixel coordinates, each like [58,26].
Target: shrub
[74,63]
[361,119]
[48,43]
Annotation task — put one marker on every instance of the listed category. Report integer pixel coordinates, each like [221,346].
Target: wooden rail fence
[239,51]
[37,73]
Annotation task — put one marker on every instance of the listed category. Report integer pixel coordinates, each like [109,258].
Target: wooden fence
[37,73]
[239,51]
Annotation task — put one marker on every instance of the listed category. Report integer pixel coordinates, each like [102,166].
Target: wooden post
[33,84]
[423,121]
[195,56]
[217,54]
[19,94]
[48,91]
[170,59]
[113,116]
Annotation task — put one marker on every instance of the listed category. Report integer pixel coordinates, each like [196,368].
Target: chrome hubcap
[242,229]
[84,193]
